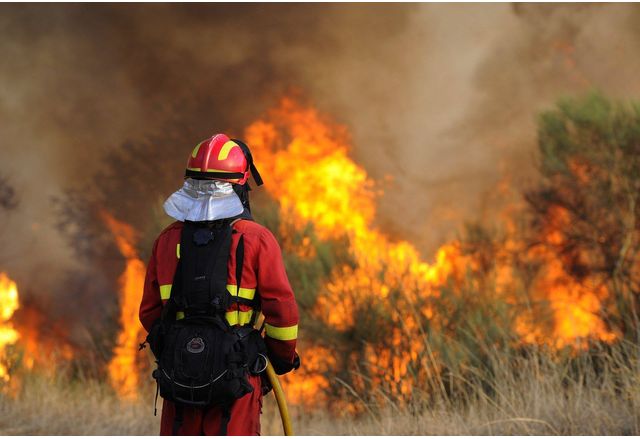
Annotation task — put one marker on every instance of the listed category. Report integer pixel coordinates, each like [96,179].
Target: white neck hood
[203,200]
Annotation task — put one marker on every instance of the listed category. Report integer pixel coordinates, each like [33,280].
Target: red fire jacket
[263,274]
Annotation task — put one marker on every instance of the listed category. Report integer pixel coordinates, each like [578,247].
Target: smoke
[446,103]
[440,98]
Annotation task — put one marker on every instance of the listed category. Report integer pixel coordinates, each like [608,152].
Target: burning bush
[589,202]
[392,322]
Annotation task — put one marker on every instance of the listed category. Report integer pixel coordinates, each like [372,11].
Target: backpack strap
[239,263]
[170,309]
[239,267]
[217,269]
[201,277]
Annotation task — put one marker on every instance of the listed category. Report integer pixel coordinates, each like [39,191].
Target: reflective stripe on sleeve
[178,250]
[239,317]
[245,293]
[165,291]
[285,333]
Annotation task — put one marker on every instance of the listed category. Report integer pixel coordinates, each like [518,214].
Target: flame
[124,368]
[306,161]
[8,334]
[314,180]
[576,305]
[20,327]
[42,349]
[309,172]
[313,176]
[306,389]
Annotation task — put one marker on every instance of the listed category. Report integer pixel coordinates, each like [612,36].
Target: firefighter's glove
[281,366]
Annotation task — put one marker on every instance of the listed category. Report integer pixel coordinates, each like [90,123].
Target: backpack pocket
[202,365]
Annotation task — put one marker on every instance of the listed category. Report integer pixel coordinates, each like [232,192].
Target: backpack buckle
[260,365]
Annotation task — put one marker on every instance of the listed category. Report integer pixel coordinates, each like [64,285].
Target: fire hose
[277,389]
[280,399]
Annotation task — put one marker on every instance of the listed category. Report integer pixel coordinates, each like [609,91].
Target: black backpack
[201,360]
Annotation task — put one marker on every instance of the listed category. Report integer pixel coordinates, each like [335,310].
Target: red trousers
[245,416]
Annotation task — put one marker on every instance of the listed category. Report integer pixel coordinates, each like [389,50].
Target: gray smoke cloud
[441,97]
[447,102]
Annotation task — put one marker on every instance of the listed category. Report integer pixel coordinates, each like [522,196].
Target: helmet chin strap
[242,190]
[252,167]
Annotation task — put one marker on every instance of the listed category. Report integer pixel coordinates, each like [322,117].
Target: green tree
[590,166]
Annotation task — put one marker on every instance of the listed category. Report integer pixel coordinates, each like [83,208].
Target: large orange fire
[305,159]
[124,366]
[310,173]
[8,334]
[313,178]
[21,326]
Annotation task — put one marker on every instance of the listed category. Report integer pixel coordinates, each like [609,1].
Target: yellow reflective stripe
[165,291]
[245,293]
[195,150]
[286,333]
[239,317]
[178,250]
[211,170]
[226,148]
[179,315]
[219,170]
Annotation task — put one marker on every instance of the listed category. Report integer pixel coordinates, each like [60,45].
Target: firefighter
[215,190]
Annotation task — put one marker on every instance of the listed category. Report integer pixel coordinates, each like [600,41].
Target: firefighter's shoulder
[174,227]
[171,232]
[253,229]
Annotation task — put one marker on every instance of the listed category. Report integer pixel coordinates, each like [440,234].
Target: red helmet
[222,158]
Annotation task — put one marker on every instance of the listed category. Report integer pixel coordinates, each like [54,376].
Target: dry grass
[61,407]
[597,394]
[533,395]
